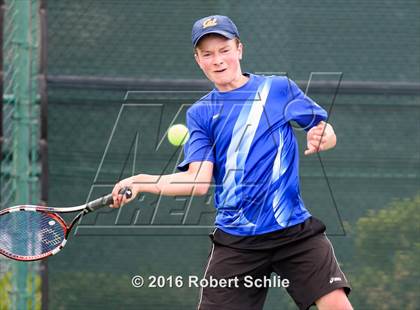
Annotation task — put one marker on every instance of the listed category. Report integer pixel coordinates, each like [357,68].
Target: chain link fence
[20,283]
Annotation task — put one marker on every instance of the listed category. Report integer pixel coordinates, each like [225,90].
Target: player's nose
[218,60]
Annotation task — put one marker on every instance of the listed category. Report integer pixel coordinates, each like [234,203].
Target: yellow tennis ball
[178,134]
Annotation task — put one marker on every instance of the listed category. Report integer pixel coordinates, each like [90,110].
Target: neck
[239,81]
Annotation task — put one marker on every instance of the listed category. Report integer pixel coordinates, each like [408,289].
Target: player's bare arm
[320,138]
[193,182]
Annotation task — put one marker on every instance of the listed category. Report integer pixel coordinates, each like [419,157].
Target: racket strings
[27,233]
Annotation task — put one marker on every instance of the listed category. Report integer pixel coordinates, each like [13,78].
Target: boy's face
[219,58]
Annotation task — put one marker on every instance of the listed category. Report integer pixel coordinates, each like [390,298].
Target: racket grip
[107,200]
[123,191]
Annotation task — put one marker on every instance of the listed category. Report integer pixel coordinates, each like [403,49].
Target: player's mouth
[220,71]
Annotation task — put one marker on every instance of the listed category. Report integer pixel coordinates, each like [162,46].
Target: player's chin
[221,80]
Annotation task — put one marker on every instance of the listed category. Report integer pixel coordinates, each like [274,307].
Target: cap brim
[227,35]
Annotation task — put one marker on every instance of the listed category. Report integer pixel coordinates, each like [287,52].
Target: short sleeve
[199,146]
[302,109]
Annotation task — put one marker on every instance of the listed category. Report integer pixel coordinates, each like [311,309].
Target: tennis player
[240,134]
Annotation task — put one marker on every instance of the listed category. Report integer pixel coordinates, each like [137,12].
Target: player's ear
[197,59]
[240,50]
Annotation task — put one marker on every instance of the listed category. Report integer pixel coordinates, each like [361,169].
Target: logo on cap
[209,22]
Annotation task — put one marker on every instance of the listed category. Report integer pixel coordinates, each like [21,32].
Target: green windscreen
[121,72]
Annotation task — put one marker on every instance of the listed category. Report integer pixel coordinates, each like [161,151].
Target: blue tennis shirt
[247,134]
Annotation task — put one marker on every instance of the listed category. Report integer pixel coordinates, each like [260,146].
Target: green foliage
[5,289]
[388,251]
[34,282]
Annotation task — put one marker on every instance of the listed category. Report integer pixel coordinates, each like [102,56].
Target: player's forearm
[182,183]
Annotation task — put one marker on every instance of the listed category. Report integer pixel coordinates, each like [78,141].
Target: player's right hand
[118,195]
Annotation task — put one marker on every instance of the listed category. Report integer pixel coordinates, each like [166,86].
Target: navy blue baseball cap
[219,24]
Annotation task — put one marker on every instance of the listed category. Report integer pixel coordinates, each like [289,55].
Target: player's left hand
[320,138]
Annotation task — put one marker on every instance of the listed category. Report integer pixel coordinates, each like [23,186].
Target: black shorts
[301,256]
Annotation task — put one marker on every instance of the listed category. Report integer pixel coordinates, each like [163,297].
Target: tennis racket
[31,232]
